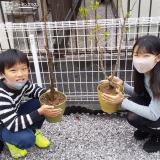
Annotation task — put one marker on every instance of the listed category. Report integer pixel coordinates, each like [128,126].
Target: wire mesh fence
[76,58]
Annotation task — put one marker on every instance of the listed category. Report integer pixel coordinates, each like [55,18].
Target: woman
[144,104]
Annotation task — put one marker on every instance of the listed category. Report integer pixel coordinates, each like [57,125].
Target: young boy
[19,122]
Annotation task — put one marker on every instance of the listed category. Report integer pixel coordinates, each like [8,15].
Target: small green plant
[97,36]
[84,12]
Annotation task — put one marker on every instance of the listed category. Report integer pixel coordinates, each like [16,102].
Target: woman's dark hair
[150,44]
[10,57]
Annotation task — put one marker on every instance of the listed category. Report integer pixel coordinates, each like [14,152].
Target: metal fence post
[35,59]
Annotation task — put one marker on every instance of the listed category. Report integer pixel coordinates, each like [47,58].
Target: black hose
[79,109]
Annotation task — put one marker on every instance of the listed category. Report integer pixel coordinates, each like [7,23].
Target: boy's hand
[50,90]
[49,111]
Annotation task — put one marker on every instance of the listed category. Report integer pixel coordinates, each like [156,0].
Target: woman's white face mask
[144,65]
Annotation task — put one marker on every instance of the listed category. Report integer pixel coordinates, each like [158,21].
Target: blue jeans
[25,138]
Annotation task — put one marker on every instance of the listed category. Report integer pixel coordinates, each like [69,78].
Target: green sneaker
[16,152]
[41,141]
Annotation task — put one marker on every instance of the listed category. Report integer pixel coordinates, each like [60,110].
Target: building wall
[144,8]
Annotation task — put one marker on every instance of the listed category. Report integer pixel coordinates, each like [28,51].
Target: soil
[106,88]
[58,99]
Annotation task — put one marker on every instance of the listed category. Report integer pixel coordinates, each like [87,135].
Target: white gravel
[92,137]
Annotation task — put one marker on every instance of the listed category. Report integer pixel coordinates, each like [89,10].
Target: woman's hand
[113,99]
[49,111]
[116,80]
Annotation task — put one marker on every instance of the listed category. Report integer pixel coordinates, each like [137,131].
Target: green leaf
[94,31]
[84,11]
[97,3]
[94,5]
[127,29]
[99,27]
[86,21]
[128,15]
[97,17]
[105,35]
[120,6]
[90,37]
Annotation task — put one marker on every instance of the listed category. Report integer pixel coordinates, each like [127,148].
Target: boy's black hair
[149,44]
[10,57]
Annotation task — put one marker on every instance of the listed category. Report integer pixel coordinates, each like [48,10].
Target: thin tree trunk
[49,56]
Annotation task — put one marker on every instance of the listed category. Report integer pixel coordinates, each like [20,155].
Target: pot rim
[56,91]
[110,94]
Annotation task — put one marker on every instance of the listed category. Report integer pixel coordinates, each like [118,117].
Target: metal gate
[77,68]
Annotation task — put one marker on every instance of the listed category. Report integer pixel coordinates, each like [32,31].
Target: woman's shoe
[140,135]
[153,144]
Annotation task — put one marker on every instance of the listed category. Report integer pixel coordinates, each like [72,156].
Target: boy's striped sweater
[10,101]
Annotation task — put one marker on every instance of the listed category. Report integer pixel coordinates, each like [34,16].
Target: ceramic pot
[108,108]
[61,105]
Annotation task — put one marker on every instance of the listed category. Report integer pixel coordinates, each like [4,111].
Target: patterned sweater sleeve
[11,120]
[34,91]
[8,109]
